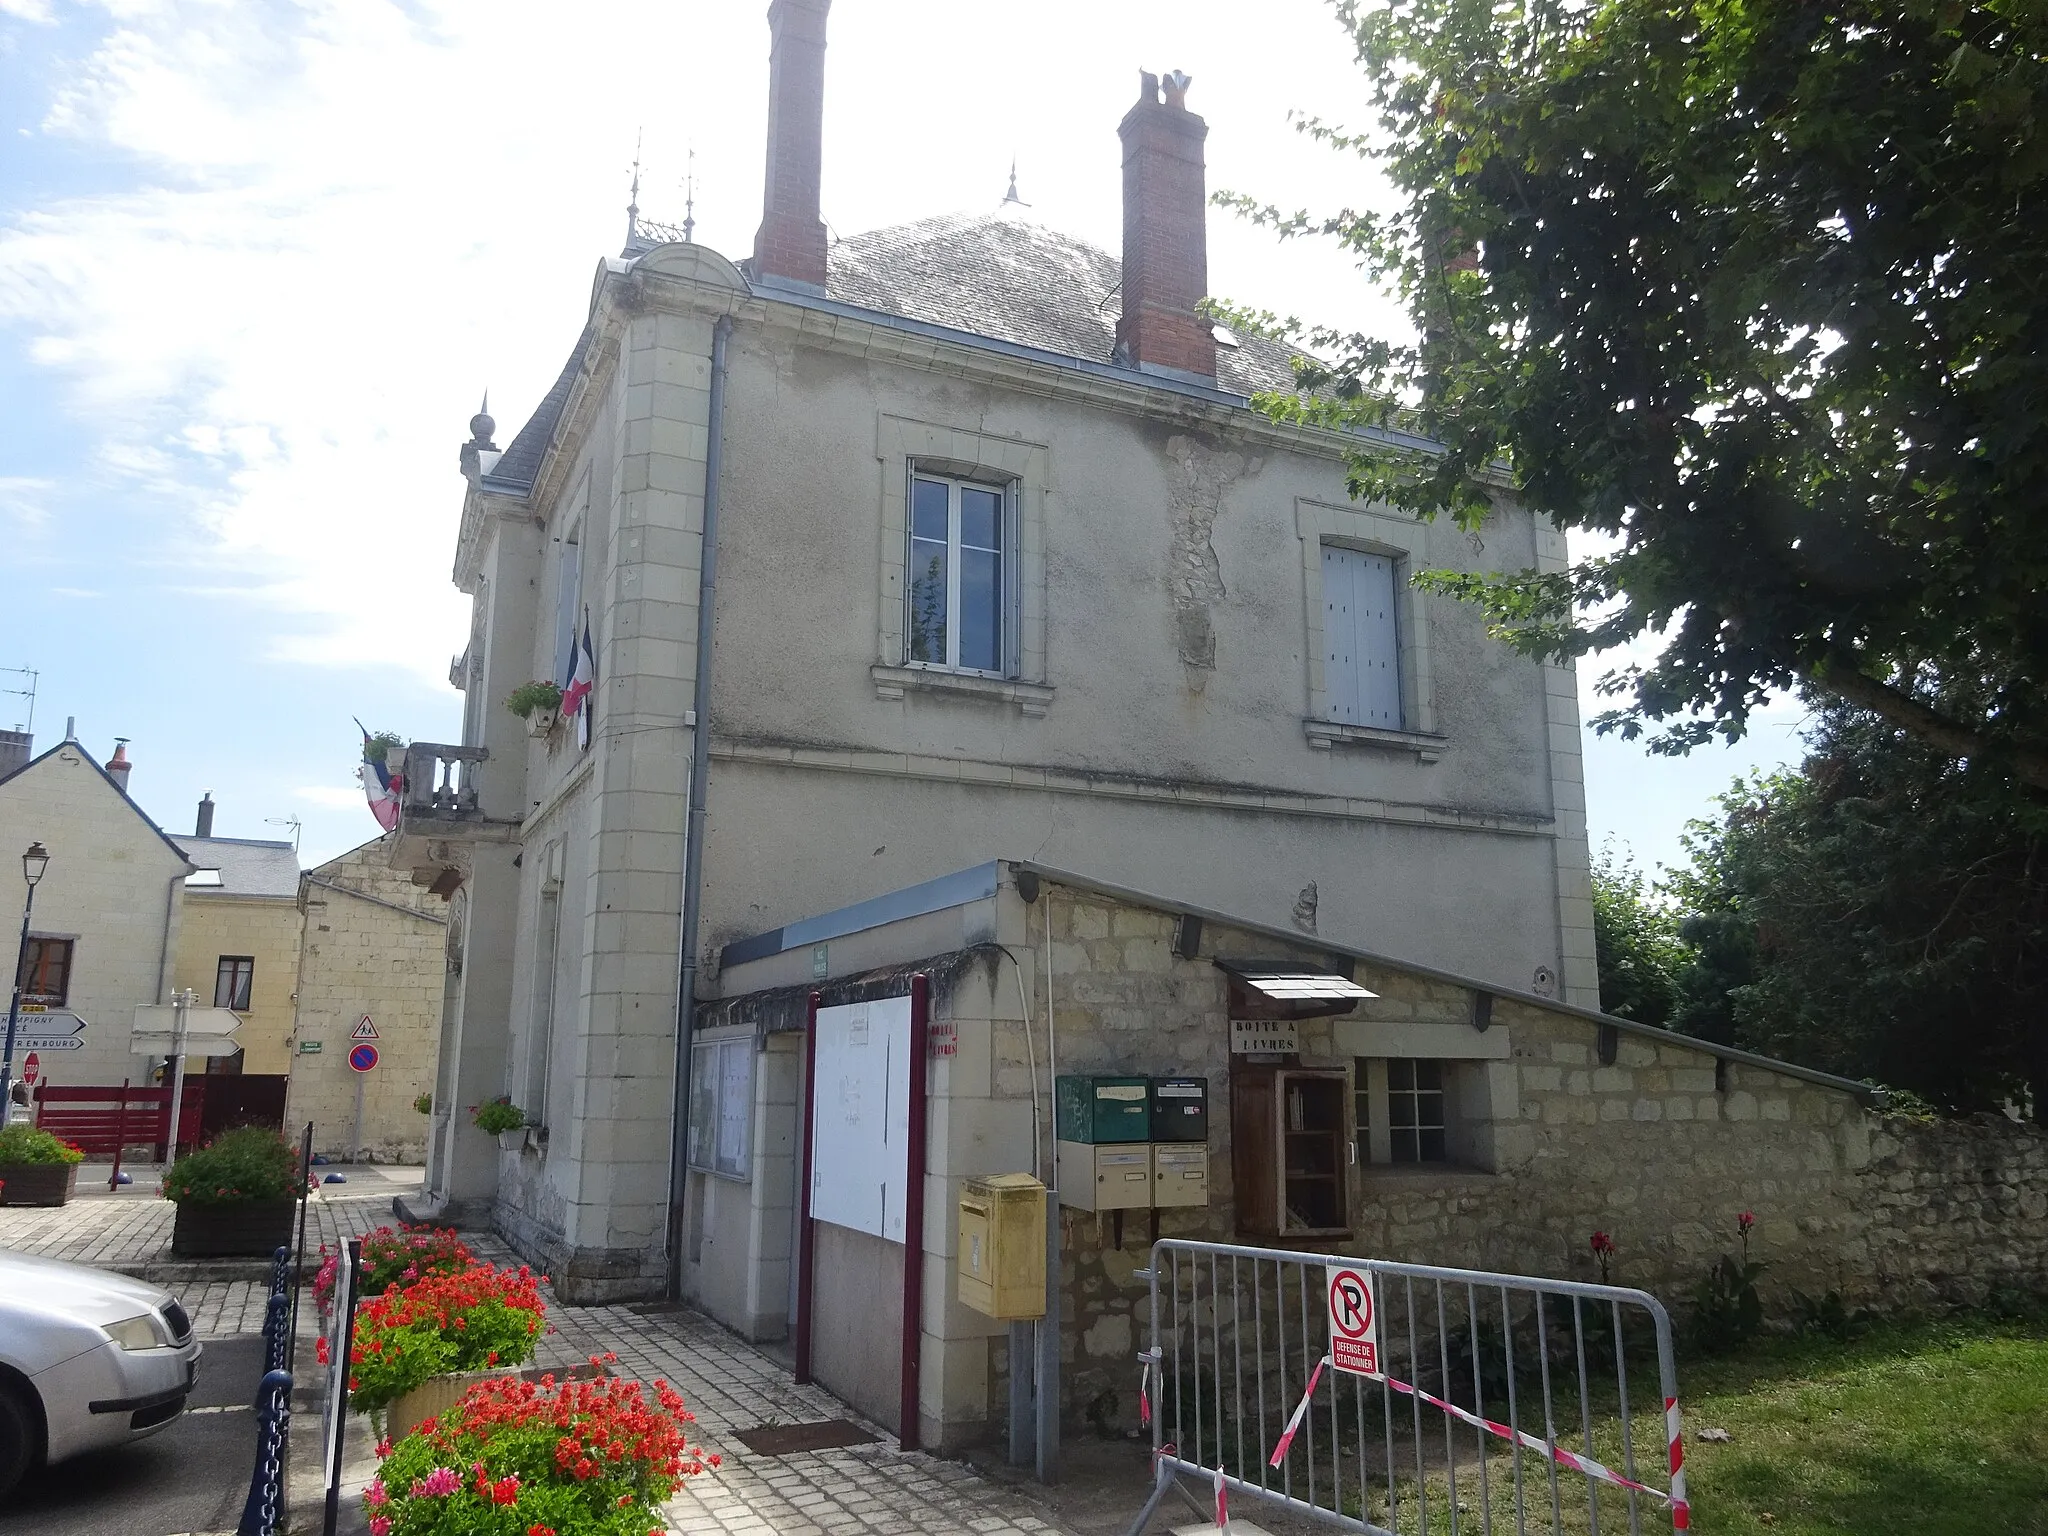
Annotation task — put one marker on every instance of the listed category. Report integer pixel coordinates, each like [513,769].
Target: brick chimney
[789,248]
[1166,239]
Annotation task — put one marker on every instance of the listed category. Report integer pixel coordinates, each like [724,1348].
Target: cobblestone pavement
[131,1228]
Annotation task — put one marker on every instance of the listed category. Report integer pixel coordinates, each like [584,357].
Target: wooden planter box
[37,1183]
[243,1227]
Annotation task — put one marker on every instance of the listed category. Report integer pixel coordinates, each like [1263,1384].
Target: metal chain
[263,1513]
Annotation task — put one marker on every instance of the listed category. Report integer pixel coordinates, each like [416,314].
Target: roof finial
[690,196]
[1011,195]
[481,427]
[633,204]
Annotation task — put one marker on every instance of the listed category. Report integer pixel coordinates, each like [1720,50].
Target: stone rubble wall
[1659,1149]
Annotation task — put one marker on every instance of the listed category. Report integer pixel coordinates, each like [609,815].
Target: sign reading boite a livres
[1354,1322]
[1252,1037]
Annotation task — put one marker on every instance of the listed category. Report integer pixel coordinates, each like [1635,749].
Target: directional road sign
[162,1019]
[50,1023]
[48,1043]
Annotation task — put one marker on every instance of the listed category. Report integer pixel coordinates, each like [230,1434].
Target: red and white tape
[1300,1412]
[1681,1514]
[1222,1501]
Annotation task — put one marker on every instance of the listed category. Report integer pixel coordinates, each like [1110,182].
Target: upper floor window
[45,974]
[957,611]
[1361,638]
[568,595]
[232,979]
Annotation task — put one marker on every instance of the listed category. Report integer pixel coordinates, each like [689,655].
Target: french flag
[381,787]
[582,678]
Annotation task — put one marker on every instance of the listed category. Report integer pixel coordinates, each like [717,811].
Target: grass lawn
[1922,1428]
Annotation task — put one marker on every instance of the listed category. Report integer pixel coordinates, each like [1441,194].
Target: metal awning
[1293,982]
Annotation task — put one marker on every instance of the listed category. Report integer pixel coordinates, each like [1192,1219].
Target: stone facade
[375,944]
[1564,1125]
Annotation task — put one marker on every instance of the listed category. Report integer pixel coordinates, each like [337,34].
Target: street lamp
[33,863]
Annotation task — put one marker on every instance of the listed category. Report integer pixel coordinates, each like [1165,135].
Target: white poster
[860,1123]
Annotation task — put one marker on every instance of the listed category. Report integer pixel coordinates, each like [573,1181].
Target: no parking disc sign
[1354,1323]
[363,1057]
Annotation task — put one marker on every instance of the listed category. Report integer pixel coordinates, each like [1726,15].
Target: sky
[260,261]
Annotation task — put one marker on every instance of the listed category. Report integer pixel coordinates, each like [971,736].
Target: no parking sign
[363,1057]
[1354,1323]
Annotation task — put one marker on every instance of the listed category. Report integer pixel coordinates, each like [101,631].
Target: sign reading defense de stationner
[1354,1322]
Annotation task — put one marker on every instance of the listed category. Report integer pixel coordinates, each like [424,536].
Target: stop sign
[32,1069]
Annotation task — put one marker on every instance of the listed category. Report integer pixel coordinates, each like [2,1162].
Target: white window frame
[1006,554]
[1404,541]
[1372,1107]
[722,1097]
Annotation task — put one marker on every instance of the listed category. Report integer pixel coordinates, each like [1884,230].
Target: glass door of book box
[1313,1143]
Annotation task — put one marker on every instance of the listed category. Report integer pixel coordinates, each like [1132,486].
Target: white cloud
[37,11]
[22,500]
[337,797]
[346,218]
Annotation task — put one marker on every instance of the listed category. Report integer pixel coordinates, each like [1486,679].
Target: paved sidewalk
[130,1230]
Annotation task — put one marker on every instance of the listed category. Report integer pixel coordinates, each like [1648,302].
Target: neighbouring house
[371,970]
[238,945]
[104,934]
[1004,562]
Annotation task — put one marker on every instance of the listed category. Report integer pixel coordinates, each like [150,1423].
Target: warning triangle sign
[365,1030]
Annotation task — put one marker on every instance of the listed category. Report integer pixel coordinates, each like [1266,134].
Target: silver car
[88,1359]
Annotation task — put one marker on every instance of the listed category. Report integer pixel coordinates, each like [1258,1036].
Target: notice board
[860,1122]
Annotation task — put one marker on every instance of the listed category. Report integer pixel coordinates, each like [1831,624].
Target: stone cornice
[478,508]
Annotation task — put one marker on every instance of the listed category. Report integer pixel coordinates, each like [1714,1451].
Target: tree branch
[1846,682]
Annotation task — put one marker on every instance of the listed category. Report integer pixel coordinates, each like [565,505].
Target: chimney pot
[203,827]
[1166,237]
[789,248]
[118,766]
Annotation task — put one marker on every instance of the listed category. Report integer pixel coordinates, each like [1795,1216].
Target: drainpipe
[694,814]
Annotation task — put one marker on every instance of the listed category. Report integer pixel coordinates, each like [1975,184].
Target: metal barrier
[1475,1401]
[263,1511]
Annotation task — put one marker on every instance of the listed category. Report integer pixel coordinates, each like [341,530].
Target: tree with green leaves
[1643,961]
[1752,288]
[1882,913]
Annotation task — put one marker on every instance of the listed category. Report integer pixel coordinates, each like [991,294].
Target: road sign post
[181,1003]
[362,1060]
[1354,1322]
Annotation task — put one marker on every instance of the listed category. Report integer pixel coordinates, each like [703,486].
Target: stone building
[1467,1125]
[1004,561]
[238,944]
[375,948]
[107,914]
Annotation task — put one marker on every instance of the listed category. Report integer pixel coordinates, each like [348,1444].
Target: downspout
[694,812]
[163,959]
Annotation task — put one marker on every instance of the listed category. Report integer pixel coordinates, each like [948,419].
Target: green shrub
[251,1162]
[528,697]
[499,1114]
[27,1144]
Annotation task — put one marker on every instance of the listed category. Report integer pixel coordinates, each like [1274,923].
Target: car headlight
[143,1332]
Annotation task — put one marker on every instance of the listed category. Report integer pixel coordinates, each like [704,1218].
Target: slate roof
[1001,275]
[248,866]
[1005,275]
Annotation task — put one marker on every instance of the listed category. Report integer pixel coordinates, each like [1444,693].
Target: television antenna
[28,693]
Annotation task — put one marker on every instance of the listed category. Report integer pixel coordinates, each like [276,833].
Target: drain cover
[787,1439]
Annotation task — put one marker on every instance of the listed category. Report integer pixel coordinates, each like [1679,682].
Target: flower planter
[37,1183]
[435,1395]
[542,722]
[254,1227]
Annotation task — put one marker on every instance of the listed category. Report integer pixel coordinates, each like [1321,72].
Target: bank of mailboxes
[1002,1246]
[1132,1143]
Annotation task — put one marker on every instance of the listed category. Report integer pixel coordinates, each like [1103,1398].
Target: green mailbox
[1098,1111]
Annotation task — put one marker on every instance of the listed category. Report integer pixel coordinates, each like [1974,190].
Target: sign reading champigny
[1259,1037]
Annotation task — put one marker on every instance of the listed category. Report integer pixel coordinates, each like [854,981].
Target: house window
[45,974]
[1361,638]
[722,1106]
[1406,1110]
[232,979]
[957,606]
[568,594]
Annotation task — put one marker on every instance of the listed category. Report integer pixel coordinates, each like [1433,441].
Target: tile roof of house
[248,866]
[1002,275]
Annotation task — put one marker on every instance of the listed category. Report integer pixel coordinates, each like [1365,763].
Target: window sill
[1032,699]
[1423,1175]
[1324,734]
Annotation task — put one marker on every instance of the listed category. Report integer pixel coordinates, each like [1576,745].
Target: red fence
[103,1119]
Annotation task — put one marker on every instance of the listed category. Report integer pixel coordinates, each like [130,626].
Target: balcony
[442,815]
